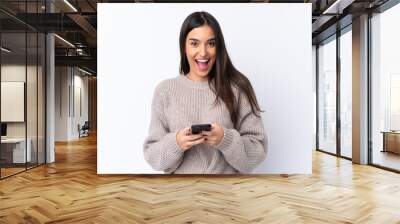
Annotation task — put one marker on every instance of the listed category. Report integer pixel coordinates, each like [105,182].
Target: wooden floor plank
[70,191]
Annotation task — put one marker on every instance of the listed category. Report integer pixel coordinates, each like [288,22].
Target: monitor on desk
[3,130]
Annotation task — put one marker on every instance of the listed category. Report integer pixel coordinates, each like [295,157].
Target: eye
[211,43]
[194,43]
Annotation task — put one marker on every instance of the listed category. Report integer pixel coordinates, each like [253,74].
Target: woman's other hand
[215,136]
[186,140]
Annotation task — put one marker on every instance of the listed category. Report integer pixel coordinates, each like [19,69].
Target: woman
[209,90]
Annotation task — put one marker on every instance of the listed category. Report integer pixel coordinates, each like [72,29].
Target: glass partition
[22,67]
[13,109]
[327,96]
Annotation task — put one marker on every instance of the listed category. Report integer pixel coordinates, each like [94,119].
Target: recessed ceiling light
[70,5]
[5,50]
[84,71]
[64,40]
[337,7]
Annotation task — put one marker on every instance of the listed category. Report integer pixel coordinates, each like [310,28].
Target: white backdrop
[138,47]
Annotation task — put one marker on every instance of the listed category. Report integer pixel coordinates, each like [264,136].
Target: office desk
[13,150]
[391,141]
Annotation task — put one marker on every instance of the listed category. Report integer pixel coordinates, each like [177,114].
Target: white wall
[61,103]
[68,81]
[314,88]
[138,47]
[80,84]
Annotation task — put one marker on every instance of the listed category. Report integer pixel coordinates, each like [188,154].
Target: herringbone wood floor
[70,191]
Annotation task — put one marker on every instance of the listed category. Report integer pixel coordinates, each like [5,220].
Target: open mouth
[202,64]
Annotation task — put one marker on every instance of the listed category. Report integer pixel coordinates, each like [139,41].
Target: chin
[203,74]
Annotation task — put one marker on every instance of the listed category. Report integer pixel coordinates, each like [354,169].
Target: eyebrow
[194,39]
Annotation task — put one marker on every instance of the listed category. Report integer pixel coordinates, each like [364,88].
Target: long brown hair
[223,74]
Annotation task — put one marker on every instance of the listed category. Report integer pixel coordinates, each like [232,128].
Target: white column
[360,90]
[50,93]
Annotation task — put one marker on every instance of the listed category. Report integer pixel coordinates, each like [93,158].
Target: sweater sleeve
[243,148]
[160,148]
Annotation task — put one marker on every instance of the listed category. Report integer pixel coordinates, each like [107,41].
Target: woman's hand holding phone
[185,139]
[215,136]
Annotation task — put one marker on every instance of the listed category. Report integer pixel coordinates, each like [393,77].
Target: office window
[327,96]
[385,91]
[346,94]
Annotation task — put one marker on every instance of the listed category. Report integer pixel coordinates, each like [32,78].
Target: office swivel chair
[84,130]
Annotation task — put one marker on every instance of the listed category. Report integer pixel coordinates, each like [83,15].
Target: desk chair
[84,130]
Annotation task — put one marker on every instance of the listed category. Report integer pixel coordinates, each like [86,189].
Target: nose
[203,51]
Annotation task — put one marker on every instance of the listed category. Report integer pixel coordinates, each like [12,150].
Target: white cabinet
[18,149]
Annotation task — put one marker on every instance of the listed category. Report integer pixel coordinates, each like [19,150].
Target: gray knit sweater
[180,102]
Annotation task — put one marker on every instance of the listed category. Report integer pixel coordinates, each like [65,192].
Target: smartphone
[198,128]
